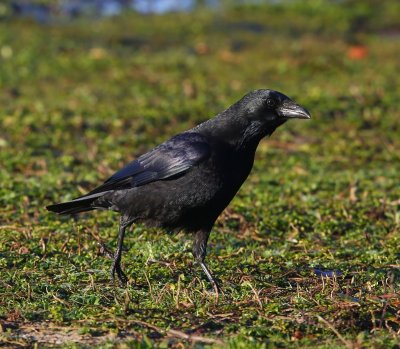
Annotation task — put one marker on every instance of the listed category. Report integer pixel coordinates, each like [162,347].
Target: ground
[307,254]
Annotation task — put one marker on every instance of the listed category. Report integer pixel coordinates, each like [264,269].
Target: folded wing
[172,158]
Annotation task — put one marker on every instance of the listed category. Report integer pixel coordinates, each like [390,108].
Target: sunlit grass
[78,101]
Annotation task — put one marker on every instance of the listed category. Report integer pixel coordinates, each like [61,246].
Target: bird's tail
[82,204]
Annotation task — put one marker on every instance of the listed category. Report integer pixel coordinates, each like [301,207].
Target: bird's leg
[116,267]
[199,253]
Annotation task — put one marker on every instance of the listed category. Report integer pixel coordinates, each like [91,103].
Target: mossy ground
[79,100]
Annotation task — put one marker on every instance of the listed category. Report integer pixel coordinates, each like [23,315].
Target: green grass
[79,99]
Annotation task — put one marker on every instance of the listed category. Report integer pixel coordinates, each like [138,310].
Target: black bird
[187,181]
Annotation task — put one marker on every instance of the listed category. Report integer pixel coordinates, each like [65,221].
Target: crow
[186,182]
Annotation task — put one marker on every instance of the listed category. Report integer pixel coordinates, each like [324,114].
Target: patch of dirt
[20,335]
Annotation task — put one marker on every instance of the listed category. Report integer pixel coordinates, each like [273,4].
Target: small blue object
[327,273]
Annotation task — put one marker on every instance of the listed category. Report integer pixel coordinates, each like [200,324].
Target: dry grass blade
[348,344]
[180,334]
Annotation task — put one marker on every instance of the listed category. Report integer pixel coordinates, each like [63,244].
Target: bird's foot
[116,269]
[215,289]
[104,251]
[214,284]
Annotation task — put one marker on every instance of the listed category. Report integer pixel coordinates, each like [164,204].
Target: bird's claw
[116,269]
[215,289]
[105,251]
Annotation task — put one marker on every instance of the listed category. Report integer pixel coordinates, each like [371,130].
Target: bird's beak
[291,110]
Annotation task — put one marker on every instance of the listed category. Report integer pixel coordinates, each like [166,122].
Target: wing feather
[174,157]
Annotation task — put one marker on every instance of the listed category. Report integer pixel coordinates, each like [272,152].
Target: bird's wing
[172,158]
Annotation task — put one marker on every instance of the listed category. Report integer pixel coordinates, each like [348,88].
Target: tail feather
[72,207]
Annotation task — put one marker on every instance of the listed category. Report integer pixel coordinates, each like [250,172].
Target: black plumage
[187,181]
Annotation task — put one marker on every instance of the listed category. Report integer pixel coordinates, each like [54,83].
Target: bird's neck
[235,131]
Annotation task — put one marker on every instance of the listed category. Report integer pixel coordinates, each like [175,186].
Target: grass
[308,253]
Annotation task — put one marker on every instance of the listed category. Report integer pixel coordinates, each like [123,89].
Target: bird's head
[265,110]
[253,117]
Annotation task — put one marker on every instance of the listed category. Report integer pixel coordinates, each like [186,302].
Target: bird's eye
[270,103]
